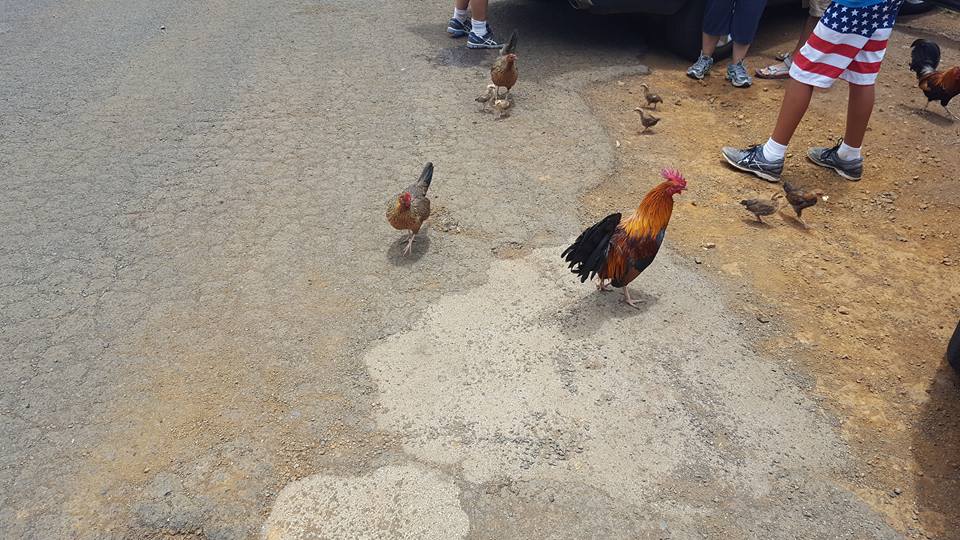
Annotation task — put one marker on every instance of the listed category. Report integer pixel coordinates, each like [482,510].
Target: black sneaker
[485,42]
[751,160]
[827,157]
[457,28]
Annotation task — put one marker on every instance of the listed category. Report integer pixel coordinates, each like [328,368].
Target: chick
[800,199]
[651,98]
[763,207]
[500,107]
[647,121]
[484,99]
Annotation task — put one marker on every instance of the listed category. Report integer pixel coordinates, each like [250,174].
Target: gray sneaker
[737,75]
[827,157]
[701,67]
[751,160]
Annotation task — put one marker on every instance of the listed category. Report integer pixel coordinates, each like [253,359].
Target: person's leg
[781,70]
[717,16]
[859,109]
[795,102]
[481,36]
[740,51]
[478,8]
[743,28]
[459,25]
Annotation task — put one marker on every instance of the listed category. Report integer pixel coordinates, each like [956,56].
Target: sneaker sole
[454,33]
[746,84]
[768,177]
[482,46]
[826,165]
[694,76]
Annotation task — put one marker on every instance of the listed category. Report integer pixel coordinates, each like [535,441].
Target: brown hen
[411,207]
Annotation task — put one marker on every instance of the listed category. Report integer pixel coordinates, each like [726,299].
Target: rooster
[504,70]
[411,207]
[936,85]
[617,250]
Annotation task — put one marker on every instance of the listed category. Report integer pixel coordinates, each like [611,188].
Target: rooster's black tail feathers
[589,253]
[924,57]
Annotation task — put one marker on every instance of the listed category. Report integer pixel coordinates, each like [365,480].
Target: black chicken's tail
[924,57]
[511,46]
[426,176]
[589,253]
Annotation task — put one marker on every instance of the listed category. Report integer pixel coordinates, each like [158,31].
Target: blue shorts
[739,18]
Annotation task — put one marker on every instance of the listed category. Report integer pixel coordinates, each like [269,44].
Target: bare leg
[461,4]
[795,102]
[739,52]
[406,250]
[859,108]
[708,44]
[478,9]
[630,301]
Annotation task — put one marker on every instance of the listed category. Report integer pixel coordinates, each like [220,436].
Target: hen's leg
[758,218]
[406,250]
[630,301]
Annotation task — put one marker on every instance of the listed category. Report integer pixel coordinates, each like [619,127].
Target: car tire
[687,29]
[912,8]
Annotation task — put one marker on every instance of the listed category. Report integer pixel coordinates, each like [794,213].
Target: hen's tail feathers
[511,46]
[587,255]
[924,57]
[426,176]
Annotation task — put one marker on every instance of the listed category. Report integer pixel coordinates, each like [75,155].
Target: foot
[630,301]
[949,112]
[409,248]
[602,286]
[779,70]
[751,160]
[851,169]
[737,75]
[700,68]
[485,41]
[457,28]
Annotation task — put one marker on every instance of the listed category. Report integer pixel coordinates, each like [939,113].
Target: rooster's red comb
[674,176]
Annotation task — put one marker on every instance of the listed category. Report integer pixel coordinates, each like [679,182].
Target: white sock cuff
[846,152]
[460,14]
[773,150]
[479,27]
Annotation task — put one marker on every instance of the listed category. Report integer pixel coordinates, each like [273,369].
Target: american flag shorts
[847,43]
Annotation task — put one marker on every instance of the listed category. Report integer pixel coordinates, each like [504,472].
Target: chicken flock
[615,250]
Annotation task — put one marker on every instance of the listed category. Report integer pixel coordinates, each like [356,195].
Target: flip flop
[781,56]
[776,71]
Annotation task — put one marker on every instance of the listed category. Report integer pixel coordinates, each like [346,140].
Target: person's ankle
[848,153]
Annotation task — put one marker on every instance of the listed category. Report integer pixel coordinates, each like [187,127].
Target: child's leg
[717,17]
[859,108]
[478,9]
[795,102]
[461,4]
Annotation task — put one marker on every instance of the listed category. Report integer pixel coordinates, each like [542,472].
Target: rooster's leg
[630,301]
[601,286]
[950,113]
[406,250]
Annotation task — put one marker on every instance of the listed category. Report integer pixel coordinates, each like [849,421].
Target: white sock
[774,151]
[479,27]
[460,14]
[847,153]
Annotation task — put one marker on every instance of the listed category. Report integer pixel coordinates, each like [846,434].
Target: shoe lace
[701,62]
[738,70]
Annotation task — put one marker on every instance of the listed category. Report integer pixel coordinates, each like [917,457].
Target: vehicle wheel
[686,27]
[911,7]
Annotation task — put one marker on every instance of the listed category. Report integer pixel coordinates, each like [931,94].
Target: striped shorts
[848,43]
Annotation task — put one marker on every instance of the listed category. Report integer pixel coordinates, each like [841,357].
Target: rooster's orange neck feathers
[654,212]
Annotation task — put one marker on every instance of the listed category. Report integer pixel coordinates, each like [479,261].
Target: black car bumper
[653,7]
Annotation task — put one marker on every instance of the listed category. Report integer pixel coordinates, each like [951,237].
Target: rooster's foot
[630,301]
[603,287]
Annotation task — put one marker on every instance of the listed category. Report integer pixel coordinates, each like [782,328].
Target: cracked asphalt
[207,331]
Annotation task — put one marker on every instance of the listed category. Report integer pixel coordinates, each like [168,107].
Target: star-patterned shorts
[848,43]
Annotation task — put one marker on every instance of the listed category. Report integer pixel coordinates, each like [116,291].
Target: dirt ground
[870,293]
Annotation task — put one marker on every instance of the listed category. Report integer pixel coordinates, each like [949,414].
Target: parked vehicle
[684,18]
[953,349]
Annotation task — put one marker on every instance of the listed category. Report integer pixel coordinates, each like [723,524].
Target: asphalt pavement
[207,329]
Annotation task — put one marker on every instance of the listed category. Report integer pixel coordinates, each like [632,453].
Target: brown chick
[504,72]
[763,207]
[411,207]
[500,107]
[800,199]
[651,98]
[484,99]
[647,121]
